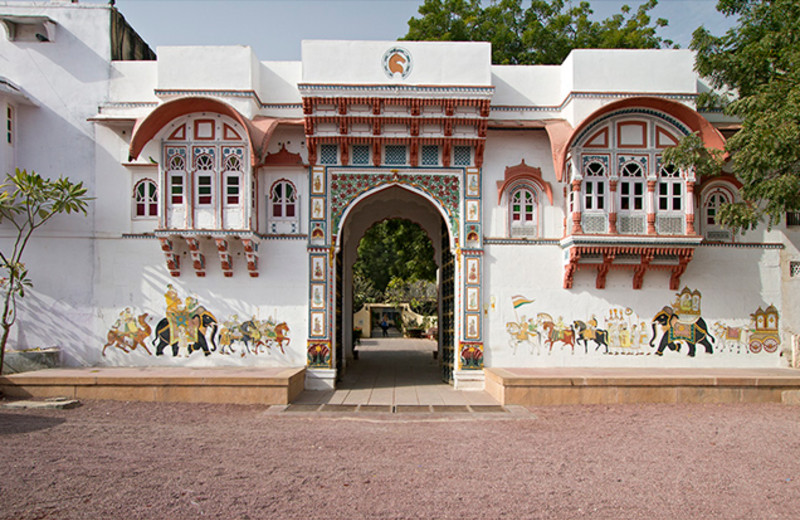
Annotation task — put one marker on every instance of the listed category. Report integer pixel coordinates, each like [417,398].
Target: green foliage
[421,295]
[755,69]
[28,201]
[691,153]
[364,291]
[544,32]
[395,249]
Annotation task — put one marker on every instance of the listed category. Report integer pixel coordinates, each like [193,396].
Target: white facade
[231,194]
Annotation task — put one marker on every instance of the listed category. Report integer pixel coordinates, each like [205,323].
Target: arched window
[631,191]
[176,173]
[145,199]
[232,175]
[283,200]
[713,200]
[206,167]
[670,189]
[594,188]
[523,213]
[669,201]
[631,188]
[637,190]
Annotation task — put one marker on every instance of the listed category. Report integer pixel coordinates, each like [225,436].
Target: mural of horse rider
[681,323]
[589,331]
[185,326]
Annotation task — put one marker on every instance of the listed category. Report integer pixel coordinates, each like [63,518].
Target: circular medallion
[397,63]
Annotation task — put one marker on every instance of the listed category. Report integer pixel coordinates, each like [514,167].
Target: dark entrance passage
[394,202]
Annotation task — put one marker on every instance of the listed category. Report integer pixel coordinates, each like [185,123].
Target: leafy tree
[755,71]
[363,291]
[543,33]
[28,201]
[421,295]
[395,248]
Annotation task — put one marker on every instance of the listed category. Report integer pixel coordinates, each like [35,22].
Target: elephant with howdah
[676,331]
[201,319]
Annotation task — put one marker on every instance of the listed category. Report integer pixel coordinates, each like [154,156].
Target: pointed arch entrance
[344,203]
[395,201]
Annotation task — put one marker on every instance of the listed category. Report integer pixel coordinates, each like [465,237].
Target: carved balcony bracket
[198,260]
[173,260]
[251,254]
[225,259]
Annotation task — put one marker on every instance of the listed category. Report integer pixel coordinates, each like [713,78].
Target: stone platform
[167,384]
[554,386]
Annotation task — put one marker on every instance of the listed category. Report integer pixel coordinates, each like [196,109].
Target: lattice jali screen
[631,225]
[594,224]
[669,225]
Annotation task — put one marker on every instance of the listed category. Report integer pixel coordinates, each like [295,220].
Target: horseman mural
[623,332]
[254,335]
[190,327]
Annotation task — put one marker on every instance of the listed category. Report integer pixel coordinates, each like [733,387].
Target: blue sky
[275,28]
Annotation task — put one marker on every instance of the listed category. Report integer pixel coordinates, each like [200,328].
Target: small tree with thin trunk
[28,201]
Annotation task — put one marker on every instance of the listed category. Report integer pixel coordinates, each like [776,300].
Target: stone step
[56,403]
[790,397]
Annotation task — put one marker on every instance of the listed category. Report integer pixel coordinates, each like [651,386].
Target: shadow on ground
[11,423]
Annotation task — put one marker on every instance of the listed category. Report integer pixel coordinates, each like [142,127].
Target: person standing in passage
[384,327]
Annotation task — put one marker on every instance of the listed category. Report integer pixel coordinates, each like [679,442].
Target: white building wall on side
[638,71]
[132,277]
[278,81]
[230,67]
[527,85]
[134,81]
[733,285]
[507,148]
[66,79]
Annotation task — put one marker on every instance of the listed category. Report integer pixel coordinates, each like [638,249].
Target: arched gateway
[359,198]
[378,147]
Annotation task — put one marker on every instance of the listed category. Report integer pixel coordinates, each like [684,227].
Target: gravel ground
[175,461]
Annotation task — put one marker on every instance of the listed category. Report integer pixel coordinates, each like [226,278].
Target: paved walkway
[395,372]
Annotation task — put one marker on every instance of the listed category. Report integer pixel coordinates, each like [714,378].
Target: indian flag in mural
[519,300]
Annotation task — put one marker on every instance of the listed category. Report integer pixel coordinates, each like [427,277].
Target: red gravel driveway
[174,461]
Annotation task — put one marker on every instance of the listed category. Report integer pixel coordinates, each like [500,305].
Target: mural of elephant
[676,331]
[200,319]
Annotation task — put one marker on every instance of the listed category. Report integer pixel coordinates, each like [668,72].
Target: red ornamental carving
[173,260]
[198,260]
[610,253]
[224,257]
[251,256]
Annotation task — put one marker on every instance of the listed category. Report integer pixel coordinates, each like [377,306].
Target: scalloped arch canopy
[147,128]
[691,118]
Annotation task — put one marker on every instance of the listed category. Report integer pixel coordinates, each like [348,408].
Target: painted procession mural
[677,327]
[188,327]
